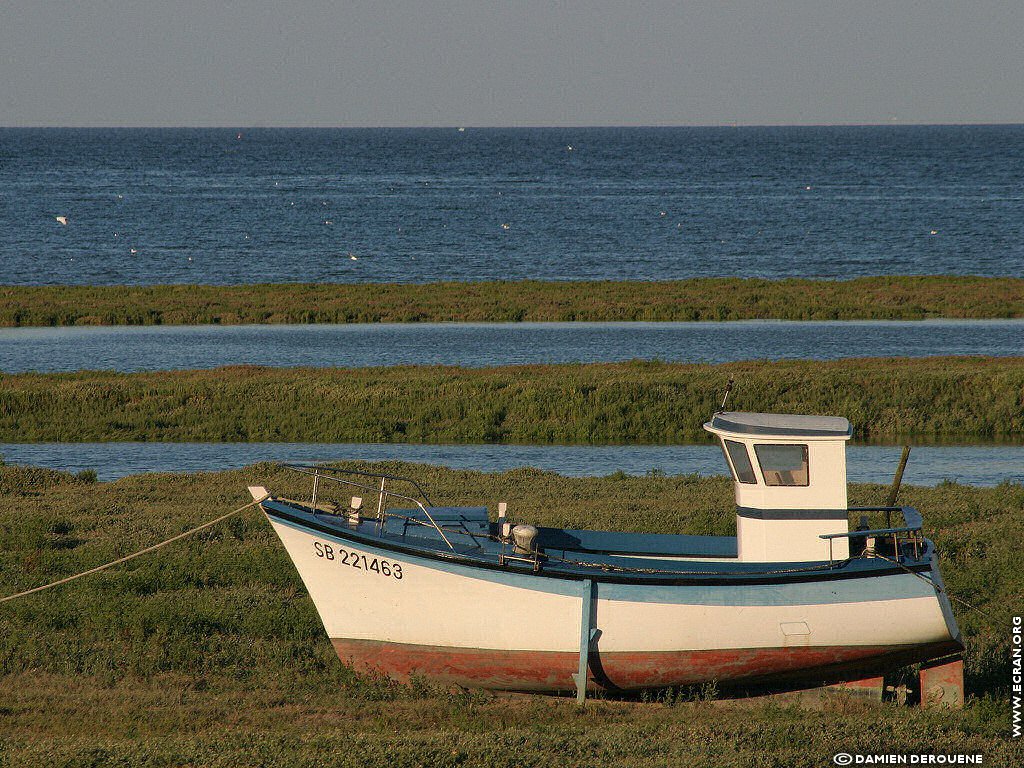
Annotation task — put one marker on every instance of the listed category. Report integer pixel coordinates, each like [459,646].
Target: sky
[513,63]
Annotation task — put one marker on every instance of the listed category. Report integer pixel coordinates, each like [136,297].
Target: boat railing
[332,475]
[873,541]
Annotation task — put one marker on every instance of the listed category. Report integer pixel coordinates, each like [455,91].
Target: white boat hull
[404,615]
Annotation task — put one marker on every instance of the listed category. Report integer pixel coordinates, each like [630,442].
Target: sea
[358,345]
[262,205]
[929,465]
[254,205]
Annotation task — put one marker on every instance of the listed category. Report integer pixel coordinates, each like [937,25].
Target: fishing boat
[795,599]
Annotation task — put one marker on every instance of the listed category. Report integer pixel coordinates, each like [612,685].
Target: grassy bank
[584,403]
[888,298]
[210,653]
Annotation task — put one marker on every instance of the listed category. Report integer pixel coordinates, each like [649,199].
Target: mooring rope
[132,556]
[941,590]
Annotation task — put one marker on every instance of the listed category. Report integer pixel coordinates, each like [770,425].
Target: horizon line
[456,126]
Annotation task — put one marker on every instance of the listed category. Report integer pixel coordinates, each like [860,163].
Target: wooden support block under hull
[942,683]
[553,671]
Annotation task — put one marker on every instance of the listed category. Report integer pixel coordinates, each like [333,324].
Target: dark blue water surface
[269,205]
[929,465]
[141,348]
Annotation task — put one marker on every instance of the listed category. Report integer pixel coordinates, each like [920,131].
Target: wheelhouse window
[739,460]
[783,464]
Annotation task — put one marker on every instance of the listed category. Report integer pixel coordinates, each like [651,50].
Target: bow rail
[331,474]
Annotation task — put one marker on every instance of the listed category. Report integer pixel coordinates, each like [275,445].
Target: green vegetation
[209,652]
[889,298]
[924,398]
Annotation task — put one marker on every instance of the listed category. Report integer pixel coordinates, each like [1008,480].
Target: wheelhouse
[789,476]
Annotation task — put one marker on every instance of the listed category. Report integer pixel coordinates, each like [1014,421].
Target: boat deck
[569,553]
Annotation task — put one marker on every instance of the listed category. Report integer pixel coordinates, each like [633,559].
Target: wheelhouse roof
[779,424]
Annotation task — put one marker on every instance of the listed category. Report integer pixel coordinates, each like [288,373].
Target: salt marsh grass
[864,298]
[635,402]
[209,652]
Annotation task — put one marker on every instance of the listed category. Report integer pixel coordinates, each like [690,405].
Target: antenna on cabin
[725,397]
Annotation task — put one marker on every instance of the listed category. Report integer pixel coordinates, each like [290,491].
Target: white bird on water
[353,257]
[62,220]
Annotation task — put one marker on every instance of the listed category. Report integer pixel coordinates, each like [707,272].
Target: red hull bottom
[551,671]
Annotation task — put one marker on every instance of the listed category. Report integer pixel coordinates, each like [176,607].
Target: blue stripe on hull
[825,592]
